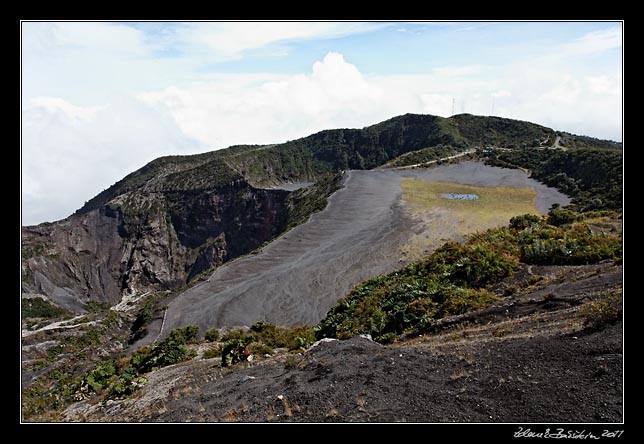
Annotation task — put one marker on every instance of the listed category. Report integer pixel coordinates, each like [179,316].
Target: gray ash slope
[298,277]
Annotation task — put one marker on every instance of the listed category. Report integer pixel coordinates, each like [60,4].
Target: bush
[212,335]
[237,333]
[213,352]
[560,216]
[576,246]
[171,350]
[524,221]
[39,308]
[95,307]
[281,337]
[462,300]
[473,265]
[235,351]
[98,378]
[602,312]
[185,335]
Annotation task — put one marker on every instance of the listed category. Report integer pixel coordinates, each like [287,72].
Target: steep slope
[157,228]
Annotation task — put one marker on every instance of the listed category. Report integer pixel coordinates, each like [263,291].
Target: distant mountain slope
[327,151]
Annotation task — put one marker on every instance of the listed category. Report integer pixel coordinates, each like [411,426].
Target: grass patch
[603,311]
[263,338]
[40,308]
[494,207]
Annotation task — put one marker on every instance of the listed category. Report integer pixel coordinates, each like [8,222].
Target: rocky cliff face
[141,241]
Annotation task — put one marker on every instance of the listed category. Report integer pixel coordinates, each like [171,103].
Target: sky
[101,99]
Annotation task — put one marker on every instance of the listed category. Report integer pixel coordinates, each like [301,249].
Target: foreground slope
[498,335]
[525,359]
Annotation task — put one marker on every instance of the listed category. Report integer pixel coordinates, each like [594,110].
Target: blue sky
[101,99]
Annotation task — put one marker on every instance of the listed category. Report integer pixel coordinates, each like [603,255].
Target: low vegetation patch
[40,308]
[425,155]
[493,207]
[456,277]
[604,311]
[263,338]
[591,176]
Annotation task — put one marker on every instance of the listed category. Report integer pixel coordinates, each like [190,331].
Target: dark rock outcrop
[142,241]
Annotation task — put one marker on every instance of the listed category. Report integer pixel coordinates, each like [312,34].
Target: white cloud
[458,70]
[269,109]
[593,43]
[229,40]
[71,153]
[64,109]
[43,38]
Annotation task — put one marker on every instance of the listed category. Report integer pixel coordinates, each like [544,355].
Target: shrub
[95,307]
[39,308]
[560,216]
[237,333]
[524,221]
[99,377]
[472,265]
[462,300]
[575,247]
[212,335]
[235,351]
[213,352]
[185,335]
[170,351]
[602,312]
[387,338]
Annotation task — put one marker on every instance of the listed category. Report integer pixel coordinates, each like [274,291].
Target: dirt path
[431,162]
[68,323]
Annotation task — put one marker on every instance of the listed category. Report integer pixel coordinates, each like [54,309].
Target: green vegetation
[574,141]
[120,377]
[592,177]
[95,306]
[211,335]
[167,352]
[40,308]
[263,338]
[483,131]
[304,202]
[570,244]
[112,378]
[422,156]
[604,311]
[456,277]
